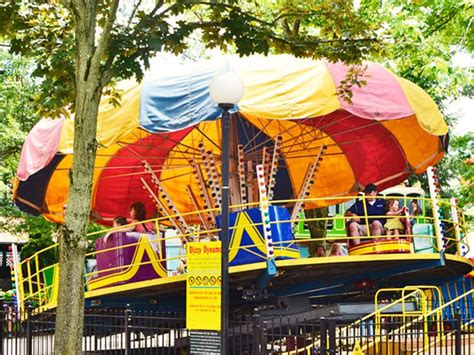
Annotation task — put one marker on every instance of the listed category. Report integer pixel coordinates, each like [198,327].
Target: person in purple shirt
[357,225]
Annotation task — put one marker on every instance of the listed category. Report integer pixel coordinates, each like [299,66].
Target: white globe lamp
[226,89]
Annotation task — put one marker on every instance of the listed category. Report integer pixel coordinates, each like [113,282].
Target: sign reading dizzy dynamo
[203,286]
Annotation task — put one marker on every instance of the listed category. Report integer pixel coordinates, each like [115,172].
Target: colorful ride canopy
[391,129]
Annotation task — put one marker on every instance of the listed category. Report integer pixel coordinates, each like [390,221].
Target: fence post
[2,323]
[29,330]
[457,333]
[127,330]
[323,329]
[332,336]
[258,344]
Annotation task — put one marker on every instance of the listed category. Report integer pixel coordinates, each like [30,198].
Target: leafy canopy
[424,35]
[417,39]
[44,30]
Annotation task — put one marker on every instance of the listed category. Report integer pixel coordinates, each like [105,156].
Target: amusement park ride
[295,146]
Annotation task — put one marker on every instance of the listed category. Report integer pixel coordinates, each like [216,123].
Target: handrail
[355,323]
[33,278]
[405,326]
[419,289]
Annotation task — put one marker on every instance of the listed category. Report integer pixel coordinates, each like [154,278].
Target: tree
[17,113]
[82,47]
[458,170]
[425,36]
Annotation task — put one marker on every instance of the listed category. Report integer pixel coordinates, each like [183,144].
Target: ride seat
[422,243]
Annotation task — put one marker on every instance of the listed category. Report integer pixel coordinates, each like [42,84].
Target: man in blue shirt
[375,207]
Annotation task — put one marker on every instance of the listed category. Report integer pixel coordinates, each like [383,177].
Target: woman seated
[138,214]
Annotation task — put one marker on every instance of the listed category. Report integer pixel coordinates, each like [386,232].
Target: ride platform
[146,270]
[309,277]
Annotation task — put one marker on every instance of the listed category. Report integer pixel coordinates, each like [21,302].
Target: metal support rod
[29,330]
[127,331]
[323,335]
[457,333]
[332,336]
[225,225]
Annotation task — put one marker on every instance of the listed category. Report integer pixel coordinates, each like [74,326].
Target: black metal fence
[335,336]
[119,331]
[123,331]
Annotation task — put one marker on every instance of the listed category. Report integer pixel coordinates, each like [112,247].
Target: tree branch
[442,21]
[7,152]
[108,73]
[440,18]
[67,3]
[105,37]
[134,11]
[157,7]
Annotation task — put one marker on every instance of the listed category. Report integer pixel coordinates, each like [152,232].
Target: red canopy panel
[120,183]
[360,138]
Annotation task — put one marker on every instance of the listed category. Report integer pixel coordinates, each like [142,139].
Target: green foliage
[18,222]
[44,30]
[17,113]
[93,227]
[416,39]
[459,170]
[37,242]
[424,37]
[39,231]
[456,172]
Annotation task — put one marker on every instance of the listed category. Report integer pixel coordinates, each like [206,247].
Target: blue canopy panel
[178,99]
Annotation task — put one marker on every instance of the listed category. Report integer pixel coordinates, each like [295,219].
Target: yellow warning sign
[357,349]
[203,286]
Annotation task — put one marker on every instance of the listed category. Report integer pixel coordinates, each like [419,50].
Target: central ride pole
[225,226]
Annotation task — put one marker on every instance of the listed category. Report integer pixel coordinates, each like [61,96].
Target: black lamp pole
[225,225]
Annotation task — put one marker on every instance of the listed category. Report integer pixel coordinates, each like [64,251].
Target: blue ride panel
[246,239]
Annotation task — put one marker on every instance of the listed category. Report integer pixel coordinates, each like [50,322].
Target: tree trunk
[317,229]
[73,242]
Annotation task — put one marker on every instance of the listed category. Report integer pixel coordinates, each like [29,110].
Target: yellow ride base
[382,247]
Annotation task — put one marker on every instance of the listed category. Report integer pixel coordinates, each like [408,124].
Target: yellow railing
[441,333]
[340,331]
[416,291]
[36,287]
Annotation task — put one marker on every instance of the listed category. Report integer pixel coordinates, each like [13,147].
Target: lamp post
[226,90]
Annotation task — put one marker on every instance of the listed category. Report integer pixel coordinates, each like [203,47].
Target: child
[415,211]
[320,251]
[394,225]
[118,221]
[336,250]
[182,266]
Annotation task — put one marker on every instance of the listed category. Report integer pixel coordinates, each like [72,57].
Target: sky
[464,106]
[464,109]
